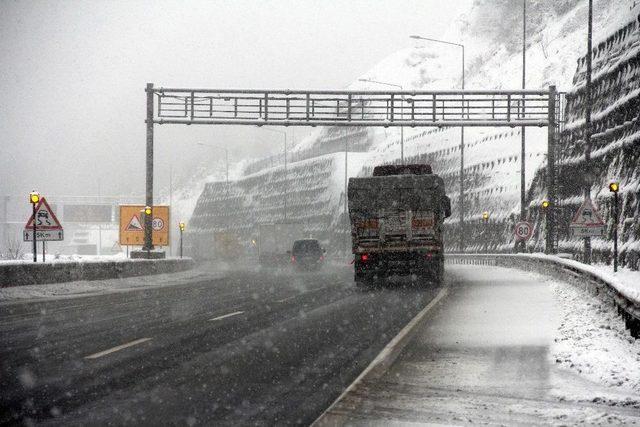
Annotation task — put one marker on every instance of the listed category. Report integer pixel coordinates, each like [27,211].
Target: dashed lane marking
[117,348]
[224,316]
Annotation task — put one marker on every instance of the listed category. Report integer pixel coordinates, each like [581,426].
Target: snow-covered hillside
[491,33]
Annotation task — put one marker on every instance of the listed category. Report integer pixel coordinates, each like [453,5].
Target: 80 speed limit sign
[523,230]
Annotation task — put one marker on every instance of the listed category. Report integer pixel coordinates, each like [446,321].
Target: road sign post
[614,187]
[587,222]
[523,231]
[182,226]
[42,225]
[34,198]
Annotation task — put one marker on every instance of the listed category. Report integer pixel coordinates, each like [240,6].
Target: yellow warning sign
[132,225]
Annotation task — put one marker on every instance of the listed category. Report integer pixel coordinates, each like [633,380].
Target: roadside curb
[379,366]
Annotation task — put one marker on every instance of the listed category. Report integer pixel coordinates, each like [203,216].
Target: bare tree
[13,247]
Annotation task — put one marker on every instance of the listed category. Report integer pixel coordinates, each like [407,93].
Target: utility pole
[523,213]
[587,129]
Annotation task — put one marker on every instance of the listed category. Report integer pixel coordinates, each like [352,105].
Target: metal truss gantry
[406,108]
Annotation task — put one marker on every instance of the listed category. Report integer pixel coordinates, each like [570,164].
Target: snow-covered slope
[491,33]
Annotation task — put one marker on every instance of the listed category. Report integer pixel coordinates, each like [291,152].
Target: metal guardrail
[574,274]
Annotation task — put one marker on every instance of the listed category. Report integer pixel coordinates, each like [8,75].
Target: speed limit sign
[523,230]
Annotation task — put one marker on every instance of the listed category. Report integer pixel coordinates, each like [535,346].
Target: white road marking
[224,316]
[286,299]
[117,348]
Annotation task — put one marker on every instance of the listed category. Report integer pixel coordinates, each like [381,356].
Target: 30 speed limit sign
[523,230]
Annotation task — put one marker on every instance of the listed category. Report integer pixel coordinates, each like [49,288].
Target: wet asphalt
[250,348]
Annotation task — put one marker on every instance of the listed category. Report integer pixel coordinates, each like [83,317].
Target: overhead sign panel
[132,225]
[87,213]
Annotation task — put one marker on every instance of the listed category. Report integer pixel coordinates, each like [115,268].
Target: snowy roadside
[97,287]
[591,341]
[625,281]
[57,259]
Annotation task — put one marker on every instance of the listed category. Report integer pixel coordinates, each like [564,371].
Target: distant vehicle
[227,247]
[396,223]
[275,241]
[307,254]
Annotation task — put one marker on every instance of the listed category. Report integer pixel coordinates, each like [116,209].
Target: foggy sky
[73,76]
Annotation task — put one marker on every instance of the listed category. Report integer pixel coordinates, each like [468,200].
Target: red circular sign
[523,230]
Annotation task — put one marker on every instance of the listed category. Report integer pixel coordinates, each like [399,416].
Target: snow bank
[94,287]
[592,341]
[625,281]
[20,273]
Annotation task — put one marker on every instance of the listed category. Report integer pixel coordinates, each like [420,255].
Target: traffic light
[545,204]
[485,216]
[614,187]
[182,226]
[147,210]
[34,197]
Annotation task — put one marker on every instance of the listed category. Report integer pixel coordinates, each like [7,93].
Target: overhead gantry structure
[395,108]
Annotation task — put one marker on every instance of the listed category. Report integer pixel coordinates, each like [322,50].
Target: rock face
[615,150]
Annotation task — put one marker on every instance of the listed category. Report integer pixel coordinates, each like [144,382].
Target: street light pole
[402,109]
[462,245]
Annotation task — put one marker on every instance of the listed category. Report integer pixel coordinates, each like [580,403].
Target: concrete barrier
[24,273]
[580,275]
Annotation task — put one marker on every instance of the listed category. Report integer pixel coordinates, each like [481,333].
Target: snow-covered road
[487,354]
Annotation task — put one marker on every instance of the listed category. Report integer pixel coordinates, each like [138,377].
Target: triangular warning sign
[45,218]
[587,216]
[134,224]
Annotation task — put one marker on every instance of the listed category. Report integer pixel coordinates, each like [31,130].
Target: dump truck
[396,220]
[275,242]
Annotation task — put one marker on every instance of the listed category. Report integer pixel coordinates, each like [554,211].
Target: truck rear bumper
[381,265]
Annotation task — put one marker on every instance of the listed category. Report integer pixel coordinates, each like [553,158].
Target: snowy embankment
[592,341]
[625,281]
[95,287]
[21,273]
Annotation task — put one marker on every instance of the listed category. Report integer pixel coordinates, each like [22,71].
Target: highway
[246,348]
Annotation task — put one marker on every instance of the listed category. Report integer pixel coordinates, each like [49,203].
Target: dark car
[307,254]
